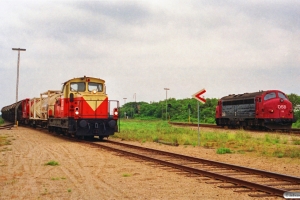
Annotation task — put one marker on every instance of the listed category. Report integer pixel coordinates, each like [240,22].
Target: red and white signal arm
[198,94]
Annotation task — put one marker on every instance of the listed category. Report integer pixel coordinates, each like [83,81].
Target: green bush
[223,150]
[297,123]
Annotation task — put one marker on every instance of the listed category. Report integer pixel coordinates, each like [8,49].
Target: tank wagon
[269,109]
[81,109]
[8,112]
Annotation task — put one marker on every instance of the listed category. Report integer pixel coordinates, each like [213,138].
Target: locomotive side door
[259,110]
[219,109]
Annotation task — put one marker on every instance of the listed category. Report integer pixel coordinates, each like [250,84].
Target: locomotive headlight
[77,112]
[116,113]
[271,110]
[94,91]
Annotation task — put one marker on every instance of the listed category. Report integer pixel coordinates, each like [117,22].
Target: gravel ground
[89,173]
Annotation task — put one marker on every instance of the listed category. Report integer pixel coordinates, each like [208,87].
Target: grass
[1,120]
[126,175]
[6,149]
[58,178]
[4,140]
[145,131]
[296,141]
[223,150]
[52,163]
[45,191]
[225,141]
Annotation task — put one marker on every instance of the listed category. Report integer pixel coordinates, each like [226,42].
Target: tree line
[183,110]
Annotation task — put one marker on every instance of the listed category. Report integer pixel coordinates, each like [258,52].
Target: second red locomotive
[269,109]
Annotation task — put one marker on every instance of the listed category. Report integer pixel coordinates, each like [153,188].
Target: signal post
[197,96]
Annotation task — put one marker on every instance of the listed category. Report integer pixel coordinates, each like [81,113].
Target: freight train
[81,108]
[269,109]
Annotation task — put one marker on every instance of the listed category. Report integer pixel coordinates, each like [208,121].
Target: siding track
[293,130]
[6,126]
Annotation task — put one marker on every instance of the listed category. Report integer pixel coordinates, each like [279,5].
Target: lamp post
[166,102]
[189,107]
[134,106]
[124,104]
[17,87]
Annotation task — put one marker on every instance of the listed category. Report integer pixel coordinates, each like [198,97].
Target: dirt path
[87,173]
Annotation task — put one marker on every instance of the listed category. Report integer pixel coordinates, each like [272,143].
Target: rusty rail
[238,182]
[6,126]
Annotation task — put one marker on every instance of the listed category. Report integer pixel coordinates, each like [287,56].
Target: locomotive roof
[242,96]
[84,77]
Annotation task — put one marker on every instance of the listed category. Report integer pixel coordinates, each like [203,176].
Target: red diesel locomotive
[80,109]
[269,109]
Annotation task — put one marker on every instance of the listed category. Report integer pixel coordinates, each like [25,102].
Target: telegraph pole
[166,102]
[17,87]
[123,105]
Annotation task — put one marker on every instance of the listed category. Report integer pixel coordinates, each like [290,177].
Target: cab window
[95,87]
[281,95]
[271,95]
[77,87]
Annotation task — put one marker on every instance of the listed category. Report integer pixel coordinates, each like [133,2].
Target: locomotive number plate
[281,107]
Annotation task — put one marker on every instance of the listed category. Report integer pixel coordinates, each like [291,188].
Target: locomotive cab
[275,109]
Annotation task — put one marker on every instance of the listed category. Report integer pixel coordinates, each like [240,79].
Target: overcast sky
[142,47]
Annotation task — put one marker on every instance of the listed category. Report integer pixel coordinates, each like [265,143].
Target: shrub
[223,150]
[52,163]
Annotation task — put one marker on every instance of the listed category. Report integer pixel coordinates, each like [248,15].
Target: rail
[224,172]
[6,126]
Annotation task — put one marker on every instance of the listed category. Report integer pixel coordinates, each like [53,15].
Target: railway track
[196,125]
[257,183]
[293,130]
[6,126]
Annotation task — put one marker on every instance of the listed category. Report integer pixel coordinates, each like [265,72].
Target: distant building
[297,108]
